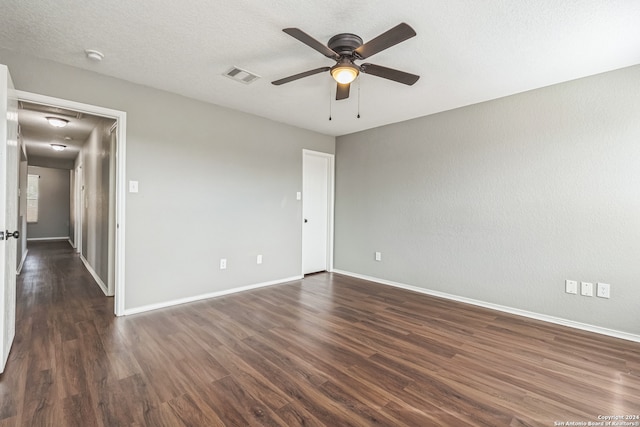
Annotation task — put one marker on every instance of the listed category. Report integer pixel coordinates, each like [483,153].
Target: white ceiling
[466,51]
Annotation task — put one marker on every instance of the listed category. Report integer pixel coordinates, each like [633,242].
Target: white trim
[537,316]
[44,239]
[121,118]
[95,275]
[331,178]
[72,244]
[24,257]
[171,303]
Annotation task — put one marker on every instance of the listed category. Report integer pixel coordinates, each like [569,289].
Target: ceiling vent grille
[240,75]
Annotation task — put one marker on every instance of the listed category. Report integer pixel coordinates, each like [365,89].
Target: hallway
[51,361]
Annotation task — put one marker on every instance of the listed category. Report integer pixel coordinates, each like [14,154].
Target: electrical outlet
[603,290]
[586,289]
[571,286]
[259,259]
[378,256]
[223,264]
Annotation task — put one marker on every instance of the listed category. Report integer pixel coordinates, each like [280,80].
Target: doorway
[317,211]
[115,234]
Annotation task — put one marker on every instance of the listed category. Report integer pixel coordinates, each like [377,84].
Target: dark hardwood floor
[325,351]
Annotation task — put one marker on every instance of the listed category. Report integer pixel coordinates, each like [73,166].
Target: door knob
[306,221]
[8,234]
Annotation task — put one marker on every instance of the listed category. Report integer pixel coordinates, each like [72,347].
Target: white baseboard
[95,276]
[73,245]
[24,257]
[505,309]
[44,239]
[171,303]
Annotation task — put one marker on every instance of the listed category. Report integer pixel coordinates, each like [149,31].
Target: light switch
[298,196]
[133,186]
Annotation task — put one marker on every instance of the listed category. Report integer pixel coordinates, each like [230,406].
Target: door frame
[330,206]
[121,119]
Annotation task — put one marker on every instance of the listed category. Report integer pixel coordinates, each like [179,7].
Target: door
[8,212]
[317,211]
[78,204]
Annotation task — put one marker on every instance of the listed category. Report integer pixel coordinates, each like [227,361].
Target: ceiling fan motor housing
[344,44]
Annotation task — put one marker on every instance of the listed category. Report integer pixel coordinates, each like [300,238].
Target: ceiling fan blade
[311,42]
[342,91]
[300,75]
[389,73]
[392,37]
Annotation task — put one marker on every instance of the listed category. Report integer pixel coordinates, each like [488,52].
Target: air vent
[242,76]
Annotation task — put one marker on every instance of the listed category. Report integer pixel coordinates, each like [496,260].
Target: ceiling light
[94,55]
[57,122]
[344,72]
[58,147]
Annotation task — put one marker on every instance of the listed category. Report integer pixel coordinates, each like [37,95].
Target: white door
[317,211]
[79,203]
[8,212]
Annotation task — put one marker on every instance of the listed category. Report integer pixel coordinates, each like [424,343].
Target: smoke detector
[94,55]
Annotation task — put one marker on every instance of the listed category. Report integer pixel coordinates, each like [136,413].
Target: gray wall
[502,201]
[50,162]
[96,155]
[213,183]
[53,204]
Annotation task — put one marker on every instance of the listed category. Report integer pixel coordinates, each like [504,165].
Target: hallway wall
[53,204]
[95,158]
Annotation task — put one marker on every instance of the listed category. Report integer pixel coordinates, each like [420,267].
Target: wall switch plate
[133,186]
[586,289]
[603,290]
[259,259]
[223,263]
[378,256]
[298,196]
[571,286]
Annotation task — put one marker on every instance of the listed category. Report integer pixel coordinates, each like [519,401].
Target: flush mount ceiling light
[94,55]
[58,147]
[57,122]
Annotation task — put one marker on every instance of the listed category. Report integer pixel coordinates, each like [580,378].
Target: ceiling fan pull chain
[329,103]
[358,98]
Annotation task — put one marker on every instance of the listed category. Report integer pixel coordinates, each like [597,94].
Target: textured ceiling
[465,52]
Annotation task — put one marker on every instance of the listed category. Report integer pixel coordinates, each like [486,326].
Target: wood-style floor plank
[328,350]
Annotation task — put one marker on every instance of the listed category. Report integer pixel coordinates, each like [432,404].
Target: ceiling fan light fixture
[58,147]
[57,122]
[344,73]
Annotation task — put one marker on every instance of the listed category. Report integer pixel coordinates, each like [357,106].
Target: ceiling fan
[345,49]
